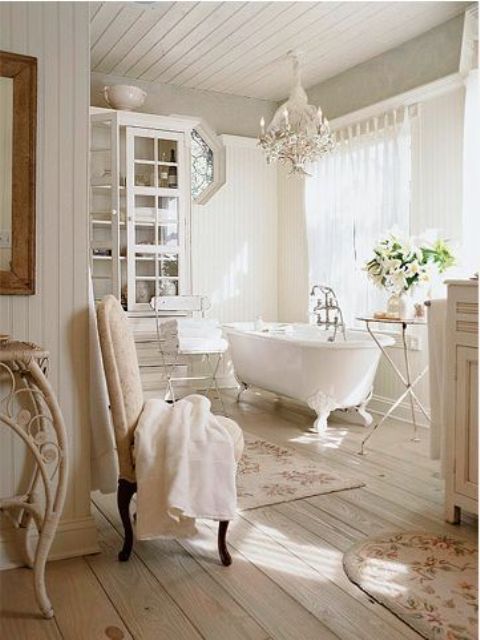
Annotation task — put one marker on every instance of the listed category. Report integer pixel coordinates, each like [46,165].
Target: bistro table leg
[407,383]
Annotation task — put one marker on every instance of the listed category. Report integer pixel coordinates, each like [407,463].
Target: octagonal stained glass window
[202,165]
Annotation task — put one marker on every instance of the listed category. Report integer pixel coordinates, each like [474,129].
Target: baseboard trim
[76,537]
[380,405]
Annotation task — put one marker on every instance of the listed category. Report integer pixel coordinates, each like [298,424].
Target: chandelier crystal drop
[298,134]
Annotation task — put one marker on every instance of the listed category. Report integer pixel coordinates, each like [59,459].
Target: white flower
[412,269]
[391,265]
[398,280]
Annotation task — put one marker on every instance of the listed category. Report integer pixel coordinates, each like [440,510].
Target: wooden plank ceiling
[240,47]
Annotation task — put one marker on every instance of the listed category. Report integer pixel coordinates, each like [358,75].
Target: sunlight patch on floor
[330,439]
[378,576]
[270,553]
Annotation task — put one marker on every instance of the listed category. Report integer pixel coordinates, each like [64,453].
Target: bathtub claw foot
[321,423]
[323,405]
[243,387]
[362,410]
[365,415]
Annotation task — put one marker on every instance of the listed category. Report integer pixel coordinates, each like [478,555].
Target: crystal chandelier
[298,134]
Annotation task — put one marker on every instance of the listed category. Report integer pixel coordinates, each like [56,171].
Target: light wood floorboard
[19,617]
[286,582]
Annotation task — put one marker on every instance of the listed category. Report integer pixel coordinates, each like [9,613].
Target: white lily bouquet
[400,265]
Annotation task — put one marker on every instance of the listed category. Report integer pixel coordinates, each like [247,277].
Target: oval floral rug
[427,580]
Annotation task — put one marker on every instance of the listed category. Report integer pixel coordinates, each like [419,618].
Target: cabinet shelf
[164,163]
[104,223]
[105,186]
[153,278]
[96,257]
[156,191]
[155,248]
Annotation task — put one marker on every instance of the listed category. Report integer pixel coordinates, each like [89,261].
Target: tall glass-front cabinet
[139,206]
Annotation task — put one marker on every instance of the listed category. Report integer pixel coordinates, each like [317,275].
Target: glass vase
[406,307]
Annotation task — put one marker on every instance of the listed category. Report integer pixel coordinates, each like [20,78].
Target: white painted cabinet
[461,399]
[139,206]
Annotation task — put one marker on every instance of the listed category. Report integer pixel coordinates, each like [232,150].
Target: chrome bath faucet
[327,310]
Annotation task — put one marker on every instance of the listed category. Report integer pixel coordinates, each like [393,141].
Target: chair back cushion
[123,378]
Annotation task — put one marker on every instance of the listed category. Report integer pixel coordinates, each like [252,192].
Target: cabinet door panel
[157,202]
[466,422]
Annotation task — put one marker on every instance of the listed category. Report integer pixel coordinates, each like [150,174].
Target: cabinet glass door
[107,207]
[155,216]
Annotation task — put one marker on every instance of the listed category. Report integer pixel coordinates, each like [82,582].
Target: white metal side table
[405,378]
[28,407]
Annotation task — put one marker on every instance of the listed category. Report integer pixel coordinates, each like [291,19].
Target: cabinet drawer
[464,305]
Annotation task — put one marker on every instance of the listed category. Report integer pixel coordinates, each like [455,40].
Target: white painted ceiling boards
[239,47]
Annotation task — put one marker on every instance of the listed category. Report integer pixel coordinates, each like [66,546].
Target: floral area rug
[427,580]
[270,474]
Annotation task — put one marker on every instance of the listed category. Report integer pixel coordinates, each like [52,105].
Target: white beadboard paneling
[56,316]
[292,249]
[237,47]
[234,238]
[438,161]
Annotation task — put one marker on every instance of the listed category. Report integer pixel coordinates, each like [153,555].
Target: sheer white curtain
[356,195]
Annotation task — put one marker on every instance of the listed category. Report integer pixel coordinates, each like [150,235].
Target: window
[358,193]
[202,165]
[208,163]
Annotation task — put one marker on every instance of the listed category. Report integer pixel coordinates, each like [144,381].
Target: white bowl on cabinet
[124,96]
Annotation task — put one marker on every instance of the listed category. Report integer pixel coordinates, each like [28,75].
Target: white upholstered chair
[126,404]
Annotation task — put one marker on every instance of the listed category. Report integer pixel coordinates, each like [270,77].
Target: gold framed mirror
[18,120]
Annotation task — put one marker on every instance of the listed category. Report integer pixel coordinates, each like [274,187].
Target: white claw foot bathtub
[297,361]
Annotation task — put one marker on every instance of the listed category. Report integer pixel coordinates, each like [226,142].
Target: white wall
[428,57]
[56,316]
[234,238]
[292,248]
[226,113]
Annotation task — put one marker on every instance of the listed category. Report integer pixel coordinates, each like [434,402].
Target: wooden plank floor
[287,580]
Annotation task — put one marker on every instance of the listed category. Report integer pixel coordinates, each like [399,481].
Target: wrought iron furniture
[175,354]
[405,378]
[29,408]
[126,404]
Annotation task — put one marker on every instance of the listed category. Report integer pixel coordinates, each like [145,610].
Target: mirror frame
[20,280]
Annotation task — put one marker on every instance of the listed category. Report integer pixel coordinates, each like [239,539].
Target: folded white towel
[202,345]
[191,328]
[193,345]
[185,468]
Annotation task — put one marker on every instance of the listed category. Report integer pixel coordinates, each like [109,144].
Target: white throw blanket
[185,468]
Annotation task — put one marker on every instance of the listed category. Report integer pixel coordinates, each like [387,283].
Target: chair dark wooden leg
[225,557]
[125,492]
